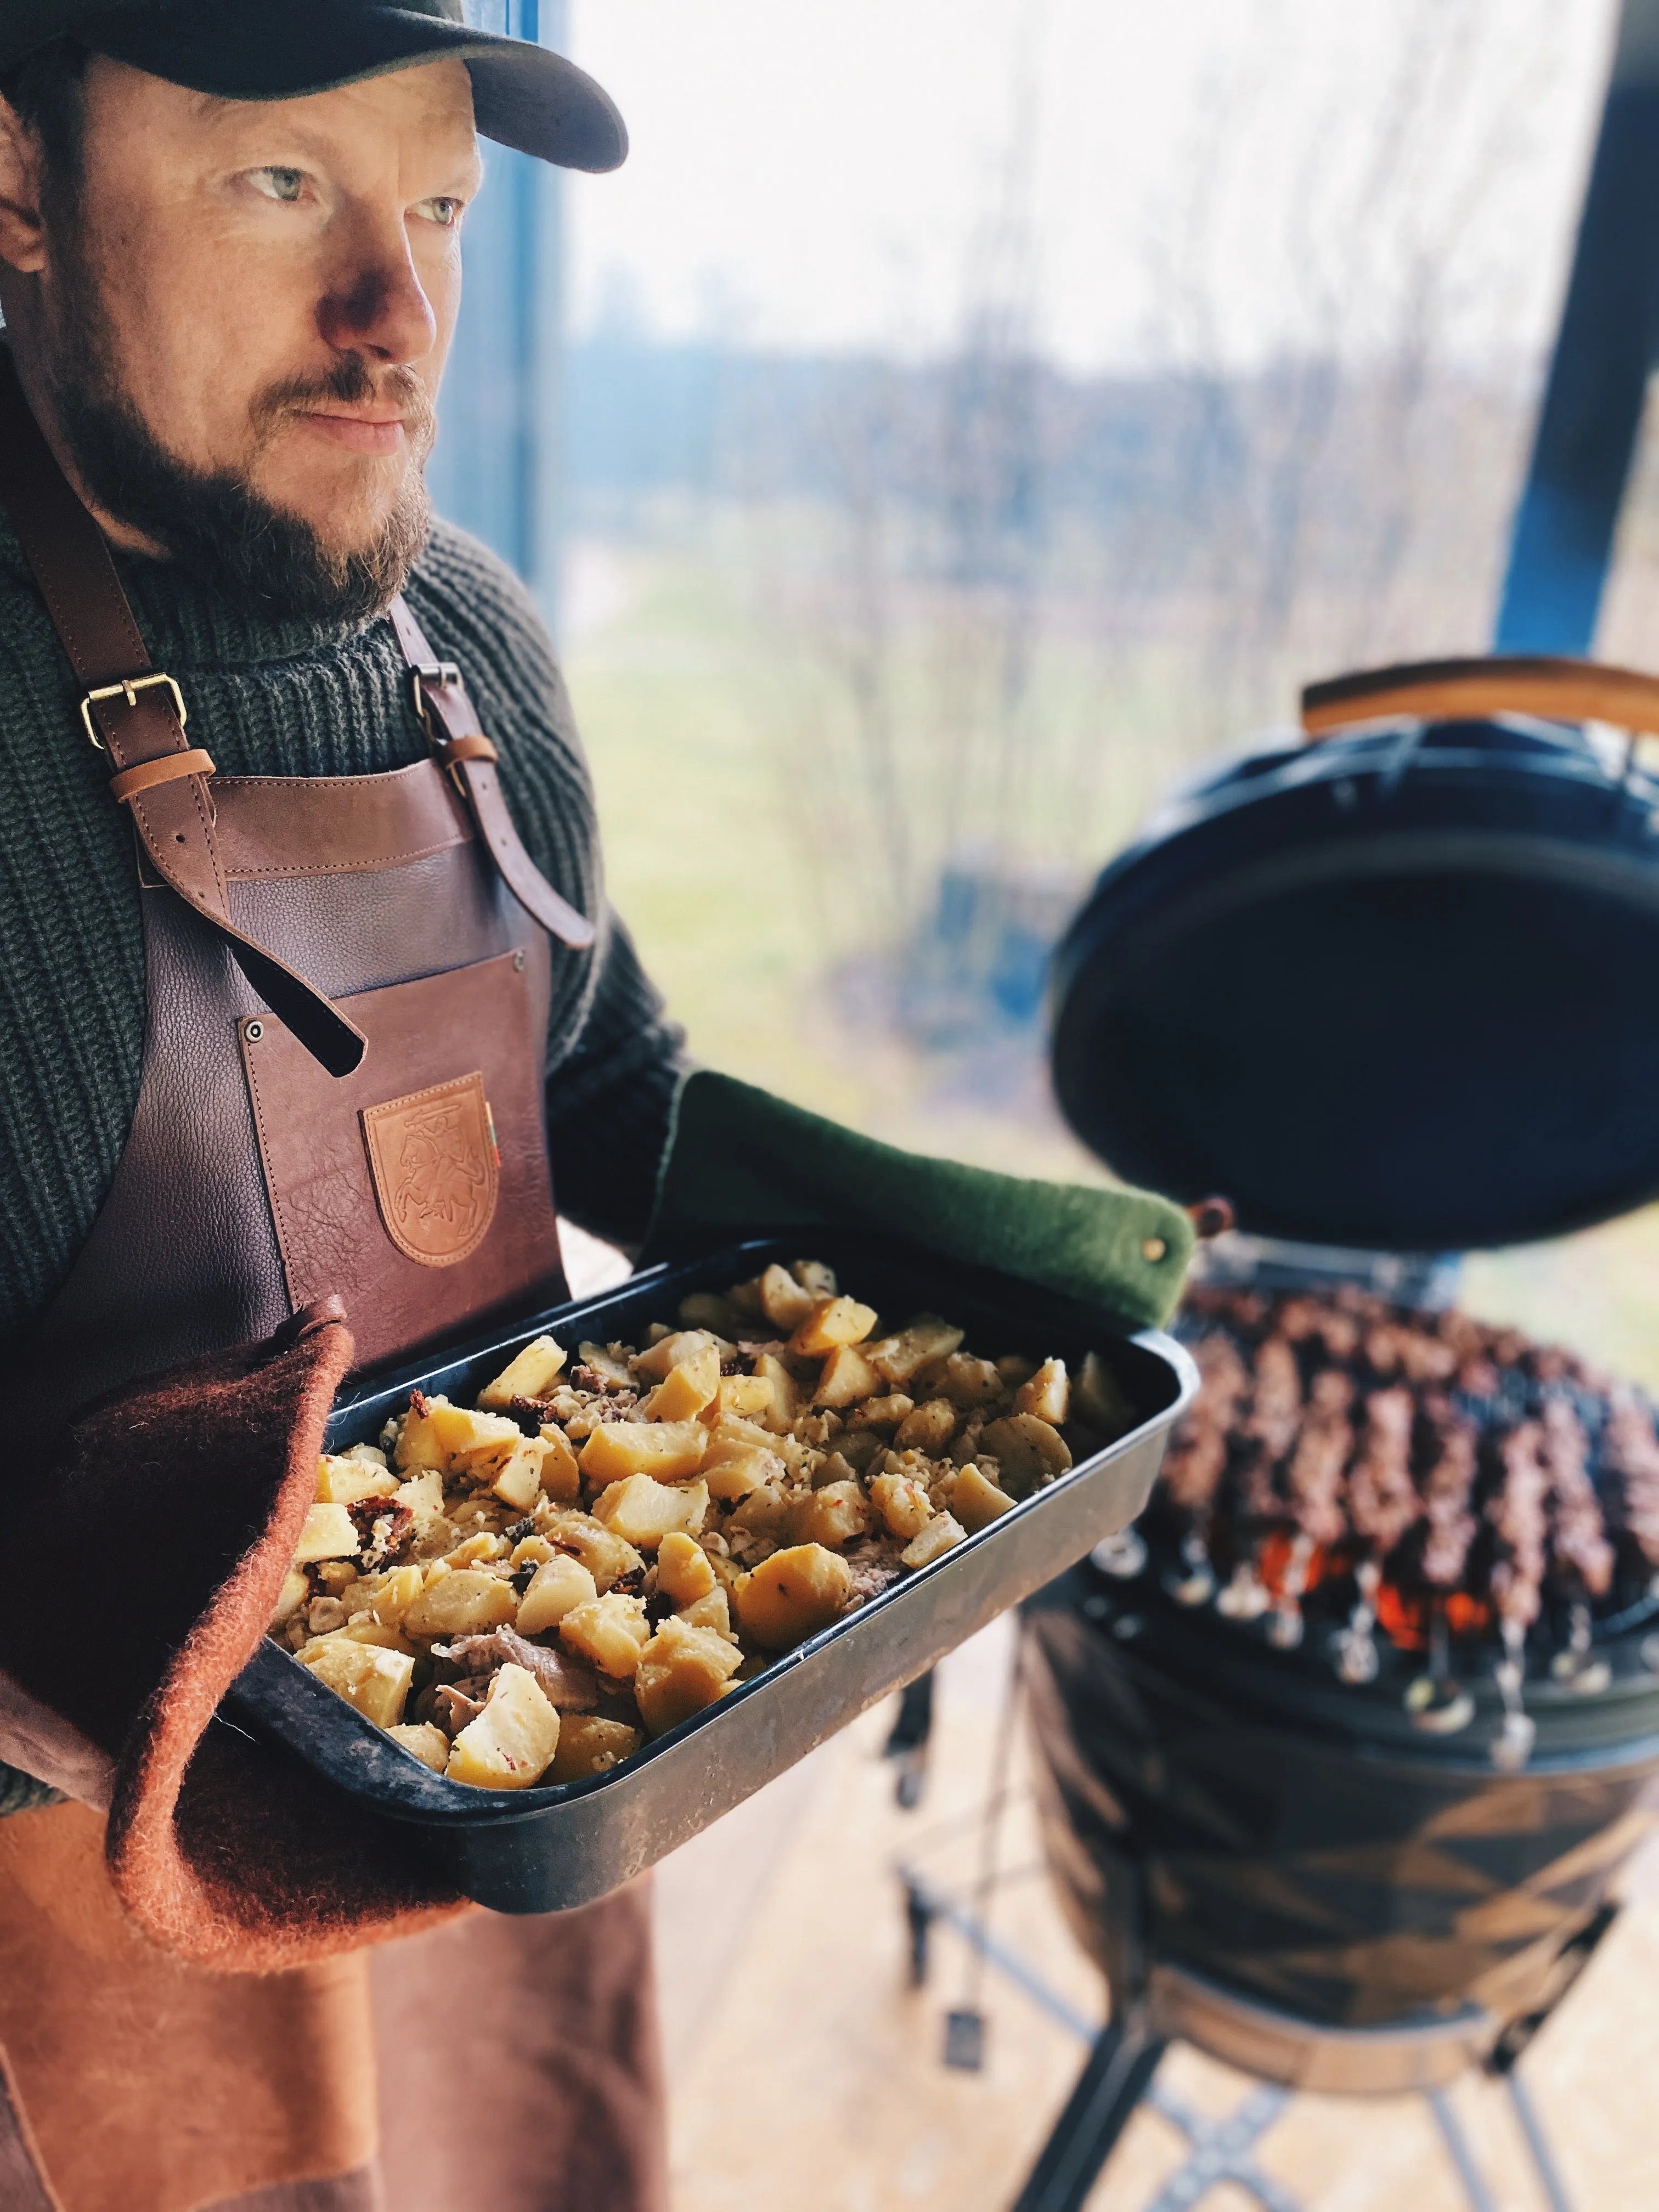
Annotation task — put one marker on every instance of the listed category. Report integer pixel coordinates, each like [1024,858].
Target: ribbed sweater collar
[188,622]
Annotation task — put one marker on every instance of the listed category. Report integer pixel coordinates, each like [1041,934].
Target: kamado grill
[1341,1745]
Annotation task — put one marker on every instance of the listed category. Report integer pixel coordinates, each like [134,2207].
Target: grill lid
[1399,989]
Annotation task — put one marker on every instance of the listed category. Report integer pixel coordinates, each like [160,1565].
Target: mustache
[351,383]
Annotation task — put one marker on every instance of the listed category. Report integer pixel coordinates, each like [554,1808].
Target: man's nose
[377,305]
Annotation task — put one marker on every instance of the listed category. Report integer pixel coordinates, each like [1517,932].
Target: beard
[213,522]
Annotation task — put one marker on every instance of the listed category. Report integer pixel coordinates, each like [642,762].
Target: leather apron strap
[458,740]
[136,714]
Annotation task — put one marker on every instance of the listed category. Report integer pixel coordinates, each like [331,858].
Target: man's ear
[22,233]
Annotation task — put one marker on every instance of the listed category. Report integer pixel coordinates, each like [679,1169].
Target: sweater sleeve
[614,1058]
[609,1100]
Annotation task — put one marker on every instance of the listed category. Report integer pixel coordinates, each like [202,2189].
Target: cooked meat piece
[1630,1454]
[1448,1495]
[455,1703]
[1316,1478]
[1576,1528]
[1278,1407]
[1383,1498]
[384,1528]
[873,1563]
[569,1682]
[1196,1465]
[1518,1514]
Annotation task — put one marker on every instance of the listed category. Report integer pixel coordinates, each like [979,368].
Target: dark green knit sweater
[269,698]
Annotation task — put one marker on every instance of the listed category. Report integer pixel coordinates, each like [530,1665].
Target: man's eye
[287,186]
[445,212]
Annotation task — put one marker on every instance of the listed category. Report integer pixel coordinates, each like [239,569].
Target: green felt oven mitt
[741,1163]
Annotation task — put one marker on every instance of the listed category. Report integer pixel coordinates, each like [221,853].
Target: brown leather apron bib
[415,1185]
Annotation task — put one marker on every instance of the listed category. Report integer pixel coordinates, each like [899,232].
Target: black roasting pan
[545,1849]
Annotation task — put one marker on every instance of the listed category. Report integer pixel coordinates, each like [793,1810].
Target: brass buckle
[128,689]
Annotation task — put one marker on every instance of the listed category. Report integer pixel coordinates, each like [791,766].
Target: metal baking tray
[545,1849]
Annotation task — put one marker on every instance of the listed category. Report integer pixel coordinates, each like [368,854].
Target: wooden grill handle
[1560,690]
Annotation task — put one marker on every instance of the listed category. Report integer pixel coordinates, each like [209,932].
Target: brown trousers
[505,2063]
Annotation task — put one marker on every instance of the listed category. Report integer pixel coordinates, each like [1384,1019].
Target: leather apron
[416,1186]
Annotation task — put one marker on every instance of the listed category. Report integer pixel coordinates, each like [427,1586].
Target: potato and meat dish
[521,1591]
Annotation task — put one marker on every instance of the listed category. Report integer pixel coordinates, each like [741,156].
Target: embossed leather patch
[436,1176]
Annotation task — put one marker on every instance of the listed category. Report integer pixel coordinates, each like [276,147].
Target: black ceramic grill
[1351,1734]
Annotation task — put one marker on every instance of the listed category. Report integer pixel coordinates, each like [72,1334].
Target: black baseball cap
[523,95]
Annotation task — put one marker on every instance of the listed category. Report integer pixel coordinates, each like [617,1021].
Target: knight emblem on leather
[436,1174]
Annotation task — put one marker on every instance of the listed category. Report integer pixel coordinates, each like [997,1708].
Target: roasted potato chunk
[519,1478]
[831,1517]
[342,1481]
[510,1746]
[529,1374]
[928,1429]
[666,1449]
[365,1675]
[976,1502]
[846,1377]
[422,1740]
[642,1511]
[290,1597]
[713,1610]
[831,1323]
[902,1503]
[785,1302]
[588,1744]
[611,1631]
[672,1351]
[744,1397]
[606,1556]
[926,1338]
[1029,1451]
[690,1385]
[782,1412]
[562,1477]
[681,1670]
[1101,1399]
[463,1602]
[558,1586]
[328,1533]
[1048,1394]
[936,1538]
[791,1595]
[683,1574]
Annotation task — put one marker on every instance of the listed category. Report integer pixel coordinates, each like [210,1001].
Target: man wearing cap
[229,268]
[309,992]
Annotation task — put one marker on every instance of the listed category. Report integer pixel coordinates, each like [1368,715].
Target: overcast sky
[1218,177]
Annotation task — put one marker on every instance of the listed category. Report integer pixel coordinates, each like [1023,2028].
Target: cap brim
[523,95]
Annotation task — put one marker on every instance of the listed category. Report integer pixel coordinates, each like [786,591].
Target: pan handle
[1560,690]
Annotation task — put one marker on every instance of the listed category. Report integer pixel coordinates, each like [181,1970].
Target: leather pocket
[417,1189]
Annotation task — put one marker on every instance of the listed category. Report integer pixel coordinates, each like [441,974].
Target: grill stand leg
[1114,2079]
[1542,2158]
[1457,2145]
[1119,2076]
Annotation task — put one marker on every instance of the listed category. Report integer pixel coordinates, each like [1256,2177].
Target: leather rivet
[253,1031]
[518,963]
[1153,1249]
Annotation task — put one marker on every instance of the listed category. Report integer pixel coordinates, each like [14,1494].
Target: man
[306,976]
[229,295]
